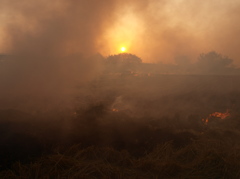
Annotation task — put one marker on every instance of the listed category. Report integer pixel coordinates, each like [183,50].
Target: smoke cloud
[154,30]
[63,81]
[52,46]
[177,28]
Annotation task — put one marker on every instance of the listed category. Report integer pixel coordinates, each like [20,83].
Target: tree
[214,63]
[124,58]
[123,62]
[214,59]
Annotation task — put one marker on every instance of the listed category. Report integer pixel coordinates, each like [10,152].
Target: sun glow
[122,34]
[123,49]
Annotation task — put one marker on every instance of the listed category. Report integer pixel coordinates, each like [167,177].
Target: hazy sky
[155,30]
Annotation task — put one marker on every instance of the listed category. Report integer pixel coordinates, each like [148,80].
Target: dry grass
[161,136]
[203,158]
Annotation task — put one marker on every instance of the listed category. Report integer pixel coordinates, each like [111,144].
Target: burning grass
[125,148]
[217,115]
[127,134]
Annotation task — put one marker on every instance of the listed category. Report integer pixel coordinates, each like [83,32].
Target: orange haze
[157,31]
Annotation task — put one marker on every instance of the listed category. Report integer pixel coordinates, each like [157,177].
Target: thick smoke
[51,47]
[176,28]
[167,29]
[61,82]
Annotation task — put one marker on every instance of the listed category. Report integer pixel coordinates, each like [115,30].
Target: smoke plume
[51,47]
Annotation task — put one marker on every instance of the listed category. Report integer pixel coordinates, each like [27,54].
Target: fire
[115,110]
[216,114]
[220,115]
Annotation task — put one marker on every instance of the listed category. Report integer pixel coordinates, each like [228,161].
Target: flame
[220,115]
[216,114]
[206,121]
[115,110]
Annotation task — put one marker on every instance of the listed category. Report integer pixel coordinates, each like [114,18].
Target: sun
[123,49]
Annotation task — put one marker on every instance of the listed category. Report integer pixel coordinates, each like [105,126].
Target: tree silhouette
[213,59]
[123,62]
[214,63]
[125,58]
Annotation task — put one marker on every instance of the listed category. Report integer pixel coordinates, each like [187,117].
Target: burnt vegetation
[131,124]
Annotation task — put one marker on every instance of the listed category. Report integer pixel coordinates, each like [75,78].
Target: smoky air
[116,89]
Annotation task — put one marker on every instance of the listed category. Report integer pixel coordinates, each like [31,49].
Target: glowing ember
[218,115]
[221,115]
[115,110]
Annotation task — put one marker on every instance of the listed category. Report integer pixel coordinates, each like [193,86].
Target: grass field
[129,127]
